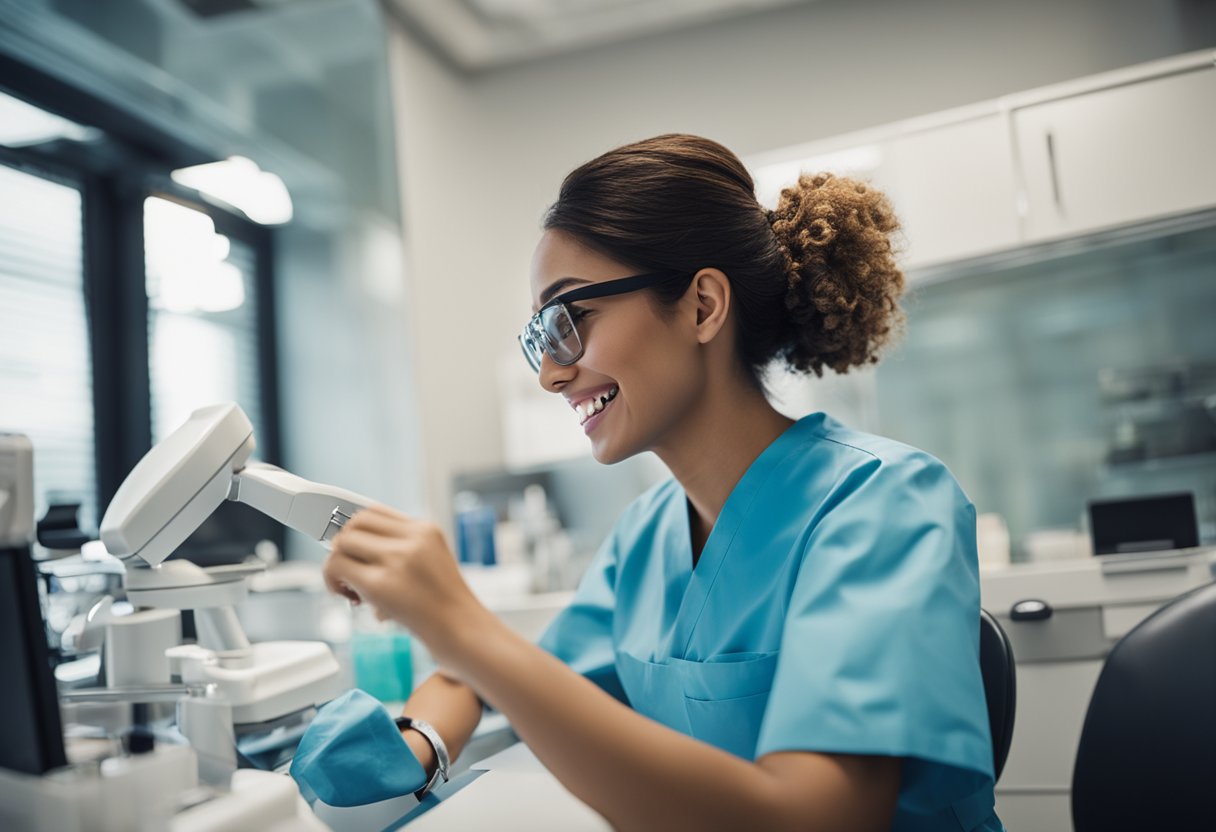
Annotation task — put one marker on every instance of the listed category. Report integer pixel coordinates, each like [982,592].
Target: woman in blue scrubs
[785,634]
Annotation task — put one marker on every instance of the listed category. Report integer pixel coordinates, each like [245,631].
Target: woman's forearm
[635,772]
[451,707]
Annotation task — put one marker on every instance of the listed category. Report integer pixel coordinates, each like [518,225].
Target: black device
[31,733]
[1143,524]
[229,536]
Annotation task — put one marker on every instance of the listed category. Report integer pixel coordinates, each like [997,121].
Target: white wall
[481,157]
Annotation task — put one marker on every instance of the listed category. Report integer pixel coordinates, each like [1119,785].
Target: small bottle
[475,524]
[381,657]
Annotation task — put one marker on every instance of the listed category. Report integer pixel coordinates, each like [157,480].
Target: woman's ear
[710,292]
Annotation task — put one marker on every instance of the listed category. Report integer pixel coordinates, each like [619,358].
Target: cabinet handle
[1051,167]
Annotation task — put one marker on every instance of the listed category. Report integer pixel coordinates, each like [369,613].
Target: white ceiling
[476,35]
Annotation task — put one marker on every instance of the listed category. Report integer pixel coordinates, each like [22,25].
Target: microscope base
[149,791]
[280,678]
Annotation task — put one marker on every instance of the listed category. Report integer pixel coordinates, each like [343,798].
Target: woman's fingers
[360,545]
[360,582]
[400,566]
[387,511]
[380,522]
[343,576]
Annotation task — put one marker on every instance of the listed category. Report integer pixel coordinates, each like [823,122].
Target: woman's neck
[714,447]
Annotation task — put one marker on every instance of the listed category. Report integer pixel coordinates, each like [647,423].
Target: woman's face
[646,361]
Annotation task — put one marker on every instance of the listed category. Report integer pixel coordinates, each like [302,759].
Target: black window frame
[116,175]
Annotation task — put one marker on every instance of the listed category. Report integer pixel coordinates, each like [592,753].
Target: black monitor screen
[31,736]
[1143,524]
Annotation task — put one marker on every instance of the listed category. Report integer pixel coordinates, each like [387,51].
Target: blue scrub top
[834,608]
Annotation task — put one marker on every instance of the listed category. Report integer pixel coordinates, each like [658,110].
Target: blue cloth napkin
[352,754]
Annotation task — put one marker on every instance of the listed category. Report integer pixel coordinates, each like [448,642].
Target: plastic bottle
[381,657]
[475,524]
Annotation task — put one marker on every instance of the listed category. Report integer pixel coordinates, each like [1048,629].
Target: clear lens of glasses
[551,331]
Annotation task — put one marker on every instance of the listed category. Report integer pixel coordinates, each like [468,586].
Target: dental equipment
[50,782]
[177,485]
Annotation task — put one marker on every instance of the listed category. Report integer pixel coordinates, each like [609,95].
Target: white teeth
[593,406]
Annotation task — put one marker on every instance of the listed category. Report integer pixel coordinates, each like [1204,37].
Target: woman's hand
[403,568]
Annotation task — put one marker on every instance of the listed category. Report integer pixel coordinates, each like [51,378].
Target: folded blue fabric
[353,754]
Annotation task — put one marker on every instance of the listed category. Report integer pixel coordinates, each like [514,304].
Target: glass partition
[1046,384]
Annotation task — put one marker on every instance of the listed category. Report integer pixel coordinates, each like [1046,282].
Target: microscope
[223,686]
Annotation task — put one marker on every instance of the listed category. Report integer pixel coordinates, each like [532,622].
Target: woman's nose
[553,376]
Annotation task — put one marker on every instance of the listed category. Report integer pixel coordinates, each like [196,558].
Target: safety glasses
[552,330]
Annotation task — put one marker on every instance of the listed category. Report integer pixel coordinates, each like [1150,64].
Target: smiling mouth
[589,409]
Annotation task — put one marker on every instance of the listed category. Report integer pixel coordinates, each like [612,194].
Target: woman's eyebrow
[558,285]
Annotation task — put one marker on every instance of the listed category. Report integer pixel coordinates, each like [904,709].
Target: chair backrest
[1000,686]
[1147,757]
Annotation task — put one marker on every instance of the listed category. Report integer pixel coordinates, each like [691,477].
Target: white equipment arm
[315,509]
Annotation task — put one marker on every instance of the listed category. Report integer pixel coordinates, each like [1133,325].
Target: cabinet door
[954,190]
[952,185]
[1119,155]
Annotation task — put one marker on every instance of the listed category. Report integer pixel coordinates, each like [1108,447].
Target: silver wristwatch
[441,751]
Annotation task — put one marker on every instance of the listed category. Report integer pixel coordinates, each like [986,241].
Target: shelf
[1165,463]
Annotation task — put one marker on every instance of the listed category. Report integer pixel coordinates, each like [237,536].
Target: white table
[509,792]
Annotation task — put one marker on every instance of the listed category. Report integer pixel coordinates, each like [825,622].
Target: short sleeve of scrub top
[834,609]
[884,606]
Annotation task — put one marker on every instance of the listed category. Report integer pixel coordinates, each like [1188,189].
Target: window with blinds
[71,211]
[45,362]
[203,348]
[202,317]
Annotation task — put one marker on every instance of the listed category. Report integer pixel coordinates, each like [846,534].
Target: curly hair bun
[843,284]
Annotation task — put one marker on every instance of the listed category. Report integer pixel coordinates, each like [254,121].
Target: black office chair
[1147,757]
[1000,687]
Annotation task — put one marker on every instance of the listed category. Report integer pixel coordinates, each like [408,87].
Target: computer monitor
[31,734]
[1153,523]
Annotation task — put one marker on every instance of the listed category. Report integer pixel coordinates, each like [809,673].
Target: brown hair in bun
[814,282]
[844,286]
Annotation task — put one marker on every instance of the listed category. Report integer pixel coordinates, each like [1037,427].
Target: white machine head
[181,481]
[178,484]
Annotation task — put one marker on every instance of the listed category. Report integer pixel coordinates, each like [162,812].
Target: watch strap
[442,762]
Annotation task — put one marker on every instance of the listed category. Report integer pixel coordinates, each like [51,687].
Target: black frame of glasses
[607,288]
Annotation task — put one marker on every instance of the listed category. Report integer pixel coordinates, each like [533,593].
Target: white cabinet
[953,189]
[1124,147]
[1117,155]
[949,178]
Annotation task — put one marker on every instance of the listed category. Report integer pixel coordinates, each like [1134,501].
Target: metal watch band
[441,750]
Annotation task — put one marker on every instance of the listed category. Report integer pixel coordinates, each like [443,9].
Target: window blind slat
[45,381]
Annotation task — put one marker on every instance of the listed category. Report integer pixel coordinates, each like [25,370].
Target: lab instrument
[170,492]
[91,784]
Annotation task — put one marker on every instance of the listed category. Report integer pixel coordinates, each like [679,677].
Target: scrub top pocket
[725,698]
[720,701]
